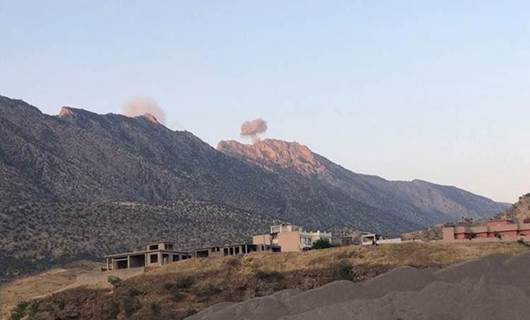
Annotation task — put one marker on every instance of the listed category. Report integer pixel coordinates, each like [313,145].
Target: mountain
[418,202]
[64,180]
[519,211]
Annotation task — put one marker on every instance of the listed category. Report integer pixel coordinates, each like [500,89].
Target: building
[233,250]
[346,237]
[154,254]
[161,253]
[373,239]
[492,230]
[290,238]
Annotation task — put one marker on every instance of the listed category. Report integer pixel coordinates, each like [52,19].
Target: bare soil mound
[495,287]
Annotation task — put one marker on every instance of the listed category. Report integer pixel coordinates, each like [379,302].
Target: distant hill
[62,177]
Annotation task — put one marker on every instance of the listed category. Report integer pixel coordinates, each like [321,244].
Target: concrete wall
[289,241]
[262,239]
[448,233]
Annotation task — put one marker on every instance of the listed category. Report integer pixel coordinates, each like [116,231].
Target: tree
[114,281]
[322,244]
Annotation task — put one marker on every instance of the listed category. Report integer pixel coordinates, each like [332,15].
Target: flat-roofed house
[492,230]
[154,254]
[290,238]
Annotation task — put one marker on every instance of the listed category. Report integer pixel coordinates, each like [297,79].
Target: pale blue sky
[403,89]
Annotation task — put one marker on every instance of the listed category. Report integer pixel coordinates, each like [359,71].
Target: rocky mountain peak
[66,112]
[75,113]
[275,153]
[150,117]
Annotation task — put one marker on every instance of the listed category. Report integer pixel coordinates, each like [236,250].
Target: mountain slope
[418,201]
[83,156]
[35,236]
[519,211]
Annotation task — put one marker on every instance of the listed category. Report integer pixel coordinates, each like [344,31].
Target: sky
[431,90]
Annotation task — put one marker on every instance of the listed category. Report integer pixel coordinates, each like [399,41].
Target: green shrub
[19,311]
[321,244]
[344,270]
[114,281]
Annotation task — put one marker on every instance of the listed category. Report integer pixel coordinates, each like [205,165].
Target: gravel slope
[495,287]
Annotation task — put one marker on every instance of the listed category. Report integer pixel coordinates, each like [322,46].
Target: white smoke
[140,106]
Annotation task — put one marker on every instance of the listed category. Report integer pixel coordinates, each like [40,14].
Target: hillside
[37,236]
[519,211]
[181,289]
[65,179]
[490,288]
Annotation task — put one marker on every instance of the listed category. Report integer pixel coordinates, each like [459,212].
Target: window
[169,247]
[176,257]
[153,258]
[153,247]
[202,253]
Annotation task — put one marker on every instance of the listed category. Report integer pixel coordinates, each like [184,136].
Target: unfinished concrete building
[233,250]
[154,254]
[161,253]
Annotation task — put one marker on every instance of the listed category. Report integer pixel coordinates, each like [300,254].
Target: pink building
[493,229]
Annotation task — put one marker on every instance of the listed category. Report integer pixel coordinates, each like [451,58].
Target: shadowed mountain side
[82,156]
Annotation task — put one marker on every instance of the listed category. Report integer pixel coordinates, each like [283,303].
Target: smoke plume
[140,106]
[252,129]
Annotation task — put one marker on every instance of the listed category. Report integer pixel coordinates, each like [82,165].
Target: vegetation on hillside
[37,236]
